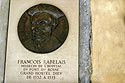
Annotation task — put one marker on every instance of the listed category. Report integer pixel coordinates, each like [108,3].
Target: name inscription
[41,69]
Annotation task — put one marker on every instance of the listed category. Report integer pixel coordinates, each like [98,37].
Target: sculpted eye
[43,22]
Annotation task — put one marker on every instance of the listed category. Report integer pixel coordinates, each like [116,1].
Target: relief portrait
[43,28]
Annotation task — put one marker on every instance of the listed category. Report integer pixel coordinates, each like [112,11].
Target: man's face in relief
[43,28]
[42,25]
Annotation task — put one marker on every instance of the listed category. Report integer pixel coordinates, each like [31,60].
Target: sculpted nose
[47,29]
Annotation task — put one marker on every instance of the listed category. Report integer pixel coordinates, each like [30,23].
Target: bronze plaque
[43,28]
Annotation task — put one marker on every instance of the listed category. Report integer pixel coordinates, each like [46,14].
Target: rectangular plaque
[50,59]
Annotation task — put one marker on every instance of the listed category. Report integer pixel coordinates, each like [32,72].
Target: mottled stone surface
[85,41]
[3,29]
[108,51]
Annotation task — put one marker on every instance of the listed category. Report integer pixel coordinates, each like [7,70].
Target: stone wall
[85,39]
[108,51]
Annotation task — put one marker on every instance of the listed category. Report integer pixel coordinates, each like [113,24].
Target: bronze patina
[43,28]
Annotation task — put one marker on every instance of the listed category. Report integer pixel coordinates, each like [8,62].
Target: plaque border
[85,42]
